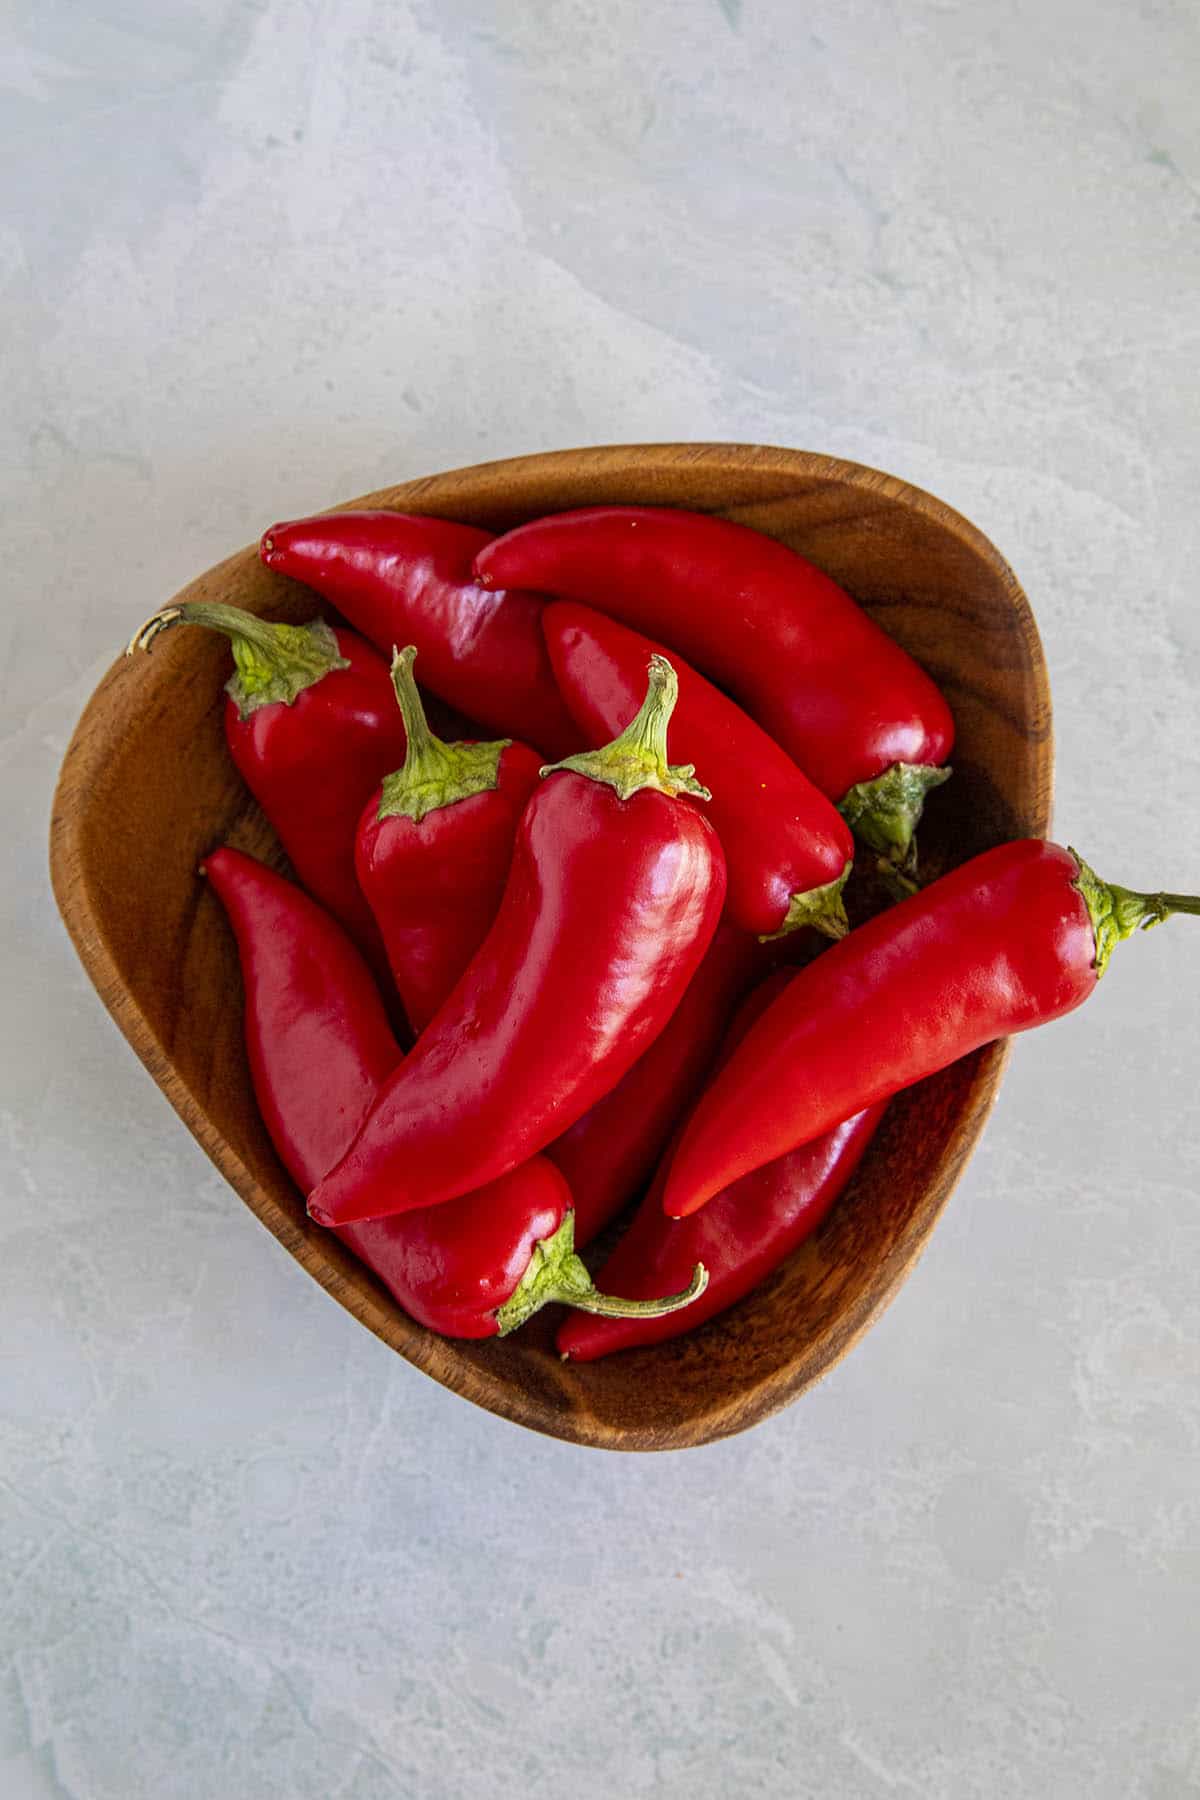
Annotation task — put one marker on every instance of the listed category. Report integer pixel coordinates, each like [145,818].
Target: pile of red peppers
[532,972]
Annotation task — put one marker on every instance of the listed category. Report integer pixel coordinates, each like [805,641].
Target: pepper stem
[435,774]
[273,662]
[557,1275]
[1117,912]
[823,908]
[638,757]
[886,811]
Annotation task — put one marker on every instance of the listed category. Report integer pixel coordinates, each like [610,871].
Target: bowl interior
[147,788]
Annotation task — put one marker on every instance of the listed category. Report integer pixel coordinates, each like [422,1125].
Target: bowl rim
[446,494]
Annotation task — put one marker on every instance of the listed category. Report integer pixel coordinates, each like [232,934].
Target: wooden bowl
[147,788]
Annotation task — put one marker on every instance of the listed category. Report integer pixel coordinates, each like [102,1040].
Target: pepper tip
[267,551]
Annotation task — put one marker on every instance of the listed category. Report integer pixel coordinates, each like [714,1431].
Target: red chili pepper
[787,850]
[435,894]
[434,848]
[609,1154]
[741,1235]
[402,579]
[312,725]
[850,707]
[317,1035]
[1014,938]
[615,891]
[320,1047]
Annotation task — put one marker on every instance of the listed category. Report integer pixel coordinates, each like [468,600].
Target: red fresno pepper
[318,1038]
[320,1046]
[787,850]
[740,1237]
[402,579]
[615,891]
[312,725]
[849,706]
[434,848]
[435,893]
[608,1155]
[1014,938]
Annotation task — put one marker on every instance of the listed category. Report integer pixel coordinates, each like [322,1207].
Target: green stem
[886,811]
[435,774]
[1117,912]
[556,1275]
[273,662]
[638,757]
[823,908]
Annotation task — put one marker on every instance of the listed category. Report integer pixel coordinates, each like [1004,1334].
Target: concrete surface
[258,256]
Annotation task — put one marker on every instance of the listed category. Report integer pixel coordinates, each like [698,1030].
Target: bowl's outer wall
[147,789]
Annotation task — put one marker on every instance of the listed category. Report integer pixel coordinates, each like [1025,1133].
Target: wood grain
[147,788]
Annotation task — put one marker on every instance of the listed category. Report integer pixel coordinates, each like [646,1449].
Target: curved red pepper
[312,726]
[610,905]
[317,1035]
[850,707]
[1014,938]
[401,579]
[435,886]
[609,1154]
[320,1047]
[740,1237]
[787,849]
[434,847]
[745,1232]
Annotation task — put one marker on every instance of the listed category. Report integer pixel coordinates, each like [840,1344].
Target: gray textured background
[258,256]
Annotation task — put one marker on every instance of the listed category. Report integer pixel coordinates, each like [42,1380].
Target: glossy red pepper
[317,1036]
[615,891]
[1014,938]
[787,849]
[401,579]
[740,1237]
[320,1046]
[435,894]
[609,1154]
[312,726]
[434,848]
[849,706]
